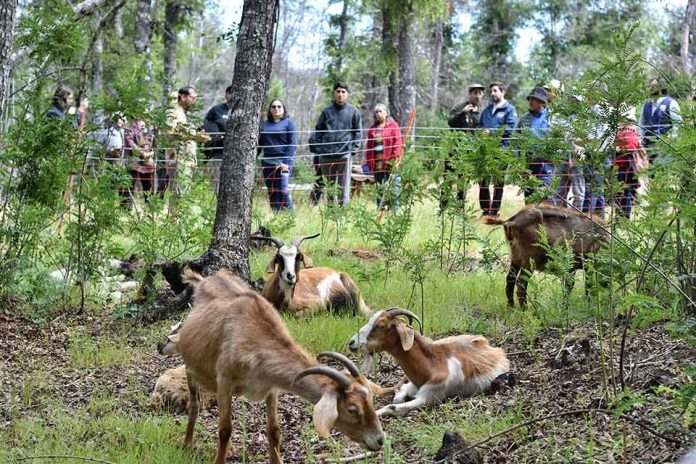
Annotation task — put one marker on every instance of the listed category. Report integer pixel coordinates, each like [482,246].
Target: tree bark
[252,70]
[407,67]
[687,32]
[172,16]
[342,33]
[438,40]
[8,9]
[390,57]
[143,33]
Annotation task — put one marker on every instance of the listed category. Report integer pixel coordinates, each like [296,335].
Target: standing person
[598,160]
[536,121]
[383,150]
[63,101]
[278,141]
[660,116]
[628,145]
[500,114]
[569,172]
[115,153]
[181,154]
[338,134]
[139,142]
[215,124]
[464,117]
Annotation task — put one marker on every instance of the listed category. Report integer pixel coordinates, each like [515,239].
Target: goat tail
[493,221]
[355,300]
[191,277]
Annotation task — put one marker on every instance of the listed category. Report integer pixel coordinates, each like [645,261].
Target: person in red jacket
[628,145]
[383,151]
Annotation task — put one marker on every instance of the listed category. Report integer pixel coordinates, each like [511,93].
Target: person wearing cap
[498,115]
[660,116]
[536,121]
[464,117]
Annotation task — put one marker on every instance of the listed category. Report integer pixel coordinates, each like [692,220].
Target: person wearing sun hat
[536,121]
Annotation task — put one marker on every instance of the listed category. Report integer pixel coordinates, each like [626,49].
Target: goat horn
[411,316]
[352,368]
[276,241]
[343,382]
[301,238]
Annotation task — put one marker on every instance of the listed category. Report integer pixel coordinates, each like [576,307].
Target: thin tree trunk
[390,57]
[172,16]
[687,30]
[407,68]
[8,9]
[252,70]
[438,40]
[97,66]
[342,33]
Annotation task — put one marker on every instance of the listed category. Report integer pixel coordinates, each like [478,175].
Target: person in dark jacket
[499,115]
[464,117]
[536,121]
[337,136]
[215,124]
[63,101]
[278,141]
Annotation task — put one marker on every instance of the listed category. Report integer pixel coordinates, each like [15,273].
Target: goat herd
[234,341]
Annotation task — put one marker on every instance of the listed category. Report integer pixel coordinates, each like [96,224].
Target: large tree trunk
[143,33]
[687,32]
[172,16]
[7,19]
[438,40]
[407,68]
[252,70]
[389,55]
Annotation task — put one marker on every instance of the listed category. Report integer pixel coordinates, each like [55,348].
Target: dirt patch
[363,254]
[545,383]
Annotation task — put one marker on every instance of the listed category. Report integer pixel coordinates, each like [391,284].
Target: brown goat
[295,289]
[522,232]
[235,343]
[461,365]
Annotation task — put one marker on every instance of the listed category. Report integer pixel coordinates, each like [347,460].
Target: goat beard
[367,361]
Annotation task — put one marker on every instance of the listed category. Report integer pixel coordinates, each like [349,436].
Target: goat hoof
[387,411]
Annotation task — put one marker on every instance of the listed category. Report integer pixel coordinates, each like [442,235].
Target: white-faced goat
[462,365]
[235,343]
[290,288]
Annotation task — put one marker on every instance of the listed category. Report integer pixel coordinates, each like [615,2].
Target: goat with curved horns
[462,365]
[235,343]
[313,287]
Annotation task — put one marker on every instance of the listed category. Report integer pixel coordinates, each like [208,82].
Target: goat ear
[307,261]
[271,266]
[173,338]
[326,413]
[406,335]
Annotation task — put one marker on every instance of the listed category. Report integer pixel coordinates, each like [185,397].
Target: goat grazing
[235,343]
[462,365]
[313,287]
[523,233]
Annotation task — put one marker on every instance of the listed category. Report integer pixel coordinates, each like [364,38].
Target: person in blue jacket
[278,141]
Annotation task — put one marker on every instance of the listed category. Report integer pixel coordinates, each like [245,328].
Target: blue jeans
[277,184]
[543,172]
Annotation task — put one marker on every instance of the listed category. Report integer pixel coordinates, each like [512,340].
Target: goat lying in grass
[295,289]
[462,365]
[523,233]
[235,343]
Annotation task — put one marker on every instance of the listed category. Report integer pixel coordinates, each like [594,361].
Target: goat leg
[522,280]
[273,428]
[510,282]
[192,410]
[224,399]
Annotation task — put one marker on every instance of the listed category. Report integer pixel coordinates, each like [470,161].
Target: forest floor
[51,372]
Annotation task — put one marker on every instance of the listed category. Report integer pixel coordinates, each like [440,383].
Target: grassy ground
[80,385]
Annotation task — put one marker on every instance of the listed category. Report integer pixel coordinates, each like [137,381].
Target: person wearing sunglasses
[278,142]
